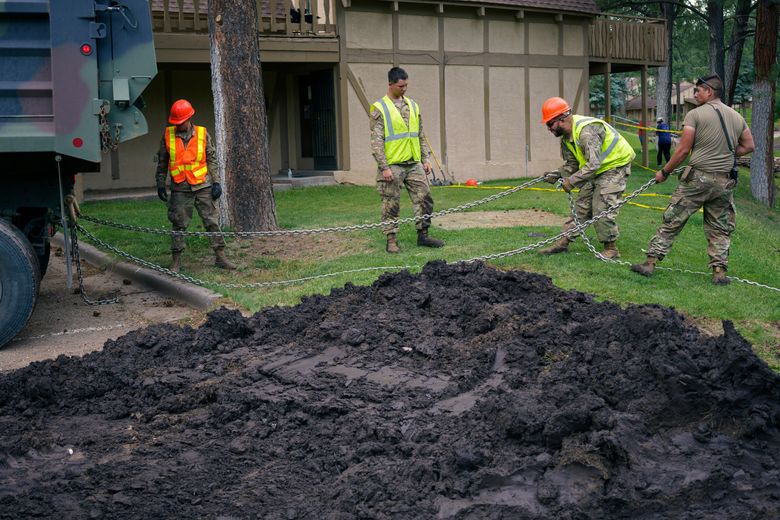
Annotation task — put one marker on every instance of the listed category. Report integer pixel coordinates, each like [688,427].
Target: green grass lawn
[755,251]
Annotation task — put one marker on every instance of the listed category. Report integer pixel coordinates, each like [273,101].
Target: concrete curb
[193,295]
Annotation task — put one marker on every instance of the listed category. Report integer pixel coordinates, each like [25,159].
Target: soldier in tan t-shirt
[707,182]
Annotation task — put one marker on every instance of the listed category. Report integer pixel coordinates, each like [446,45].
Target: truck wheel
[19,281]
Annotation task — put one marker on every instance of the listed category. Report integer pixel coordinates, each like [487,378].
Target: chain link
[107,143]
[207,283]
[77,257]
[601,257]
[579,228]
[294,232]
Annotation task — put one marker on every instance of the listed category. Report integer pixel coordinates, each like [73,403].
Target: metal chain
[601,257]
[107,143]
[77,257]
[207,283]
[569,232]
[289,232]
[578,228]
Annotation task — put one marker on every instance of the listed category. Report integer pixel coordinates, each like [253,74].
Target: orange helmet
[554,107]
[181,110]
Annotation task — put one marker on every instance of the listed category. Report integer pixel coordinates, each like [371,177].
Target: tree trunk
[715,23]
[762,181]
[247,203]
[736,44]
[663,92]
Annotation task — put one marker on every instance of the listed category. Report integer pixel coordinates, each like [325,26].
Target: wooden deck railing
[317,18]
[642,40]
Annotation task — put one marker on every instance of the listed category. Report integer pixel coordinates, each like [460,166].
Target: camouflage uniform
[597,192]
[706,186]
[410,174]
[185,196]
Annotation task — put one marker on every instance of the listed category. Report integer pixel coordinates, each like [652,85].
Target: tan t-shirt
[710,151]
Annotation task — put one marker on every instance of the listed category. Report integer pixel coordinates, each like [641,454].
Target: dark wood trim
[527,88]
[486,85]
[561,85]
[396,37]
[497,59]
[442,94]
[343,90]
[358,88]
[284,129]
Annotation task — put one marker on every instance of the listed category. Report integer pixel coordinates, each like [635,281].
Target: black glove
[552,177]
[162,194]
[216,191]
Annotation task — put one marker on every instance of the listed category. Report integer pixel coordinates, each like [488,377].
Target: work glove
[162,194]
[72,206]
[551,177]
[216,191]
[566,185]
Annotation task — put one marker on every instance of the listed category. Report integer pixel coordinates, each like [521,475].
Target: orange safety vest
[187,163]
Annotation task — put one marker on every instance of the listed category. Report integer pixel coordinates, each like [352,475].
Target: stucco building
[480,71]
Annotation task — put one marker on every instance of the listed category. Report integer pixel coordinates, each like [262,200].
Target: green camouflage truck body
[72,74]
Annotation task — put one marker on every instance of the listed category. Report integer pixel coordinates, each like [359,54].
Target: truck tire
[20,280]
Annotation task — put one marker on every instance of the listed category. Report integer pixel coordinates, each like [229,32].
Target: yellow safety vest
[615,150]
[187,163]
[402,143]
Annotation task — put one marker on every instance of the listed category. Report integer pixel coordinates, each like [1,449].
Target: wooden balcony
[627,43]
[287,32]
[275,17]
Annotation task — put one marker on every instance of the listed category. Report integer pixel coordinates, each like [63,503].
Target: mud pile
[463,392]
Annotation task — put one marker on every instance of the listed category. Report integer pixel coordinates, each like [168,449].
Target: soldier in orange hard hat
[187,157]
[597,160]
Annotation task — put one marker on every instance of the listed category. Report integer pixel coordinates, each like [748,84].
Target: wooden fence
[641,40]
[309,18]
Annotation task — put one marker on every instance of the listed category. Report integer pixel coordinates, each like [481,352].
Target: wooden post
[644,120]
[607,93]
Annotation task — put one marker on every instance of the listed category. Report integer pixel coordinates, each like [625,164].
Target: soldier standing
[597,161]
[402,157]
[715,135]
[188,157]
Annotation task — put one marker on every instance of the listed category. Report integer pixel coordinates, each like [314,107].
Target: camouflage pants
[713,192]
[413,177]
[602,192]
[180,214]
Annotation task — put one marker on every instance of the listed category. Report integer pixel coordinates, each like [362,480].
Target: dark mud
[464,392]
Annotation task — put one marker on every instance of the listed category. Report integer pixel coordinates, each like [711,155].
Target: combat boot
[221,261]
[559,246]
[719,276]
[424,240]
[176,262]
[647,268]
[610,251]
[392,244]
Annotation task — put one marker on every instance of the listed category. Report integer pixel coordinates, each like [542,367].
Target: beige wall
[498,70]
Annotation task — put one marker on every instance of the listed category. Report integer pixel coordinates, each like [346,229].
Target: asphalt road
[63,324]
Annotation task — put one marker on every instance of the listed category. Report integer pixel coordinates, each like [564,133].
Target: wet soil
[462,392]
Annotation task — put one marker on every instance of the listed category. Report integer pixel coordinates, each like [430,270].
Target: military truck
[72,76]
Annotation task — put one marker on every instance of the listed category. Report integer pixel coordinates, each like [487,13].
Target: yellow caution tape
[613,122]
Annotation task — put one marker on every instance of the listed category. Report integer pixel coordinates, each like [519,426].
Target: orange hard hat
[471,182]
[181,110]
[554,107]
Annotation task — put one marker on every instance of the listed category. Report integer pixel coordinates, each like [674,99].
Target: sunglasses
[552,122]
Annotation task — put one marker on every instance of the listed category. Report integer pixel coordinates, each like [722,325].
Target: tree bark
[247,203]
[715,22]
[663,92]
[736,44]
[762,181]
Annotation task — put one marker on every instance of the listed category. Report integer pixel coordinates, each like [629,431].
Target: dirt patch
[496,219]
[462,392]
